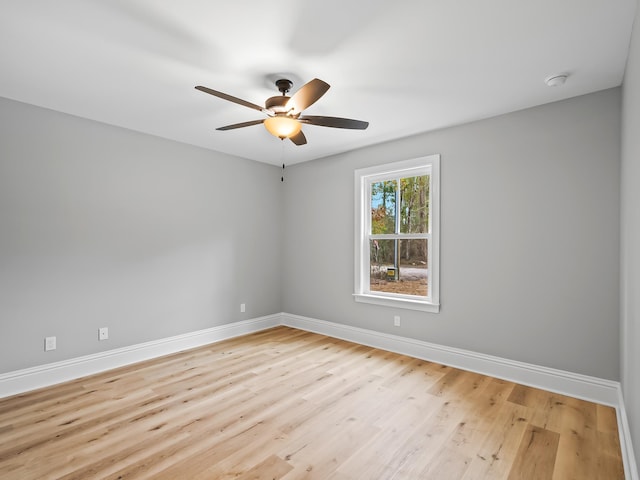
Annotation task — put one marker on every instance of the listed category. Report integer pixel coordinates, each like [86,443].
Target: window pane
[414,204]
[383,207]
[399,266]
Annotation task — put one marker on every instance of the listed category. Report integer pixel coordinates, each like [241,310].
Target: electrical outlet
[103,333]
[49,343]
[396,320]
[242,308]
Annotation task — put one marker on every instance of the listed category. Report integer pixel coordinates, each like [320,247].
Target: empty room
[320,240]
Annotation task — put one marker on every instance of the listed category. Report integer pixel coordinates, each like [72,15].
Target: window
[397,234]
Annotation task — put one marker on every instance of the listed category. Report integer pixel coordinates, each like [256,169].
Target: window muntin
[397,234]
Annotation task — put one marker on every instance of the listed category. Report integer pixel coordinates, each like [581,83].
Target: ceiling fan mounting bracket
[284,85]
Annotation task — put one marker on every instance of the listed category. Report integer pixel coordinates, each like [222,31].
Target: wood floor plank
[449,463]
[421,443]
[536,455]
[578,427]
[270,468]
[288,404]
[608,462]
[392,443]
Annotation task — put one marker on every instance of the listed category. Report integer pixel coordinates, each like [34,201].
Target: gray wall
[529,237]
[630,255]
[101,226]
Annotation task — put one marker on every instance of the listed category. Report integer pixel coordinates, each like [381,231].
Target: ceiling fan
[284,113]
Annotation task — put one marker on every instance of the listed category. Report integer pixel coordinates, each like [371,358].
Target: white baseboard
[21,381]
[593,389]
[628,456]
[567,383]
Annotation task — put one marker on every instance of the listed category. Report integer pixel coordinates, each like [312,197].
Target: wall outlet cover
[49,343]
[103,333]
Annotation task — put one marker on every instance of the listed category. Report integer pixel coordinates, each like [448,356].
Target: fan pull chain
[282,177]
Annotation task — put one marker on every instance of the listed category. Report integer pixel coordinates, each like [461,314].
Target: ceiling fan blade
[231,98]
[240,125]
[335,122]
[308,94]
[299,138]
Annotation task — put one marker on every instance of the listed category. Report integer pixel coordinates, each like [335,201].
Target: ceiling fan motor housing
[277,104]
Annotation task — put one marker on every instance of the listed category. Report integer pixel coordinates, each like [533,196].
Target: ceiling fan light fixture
[282,126]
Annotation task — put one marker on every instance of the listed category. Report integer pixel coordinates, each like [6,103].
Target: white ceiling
[406,66]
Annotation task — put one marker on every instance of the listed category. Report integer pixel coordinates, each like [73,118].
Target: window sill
[397,302]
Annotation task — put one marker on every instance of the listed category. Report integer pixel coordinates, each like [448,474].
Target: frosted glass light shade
[282,126]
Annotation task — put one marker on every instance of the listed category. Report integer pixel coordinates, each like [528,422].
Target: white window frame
[363,179]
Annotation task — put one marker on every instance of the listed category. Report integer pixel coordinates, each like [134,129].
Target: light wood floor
[295,405]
